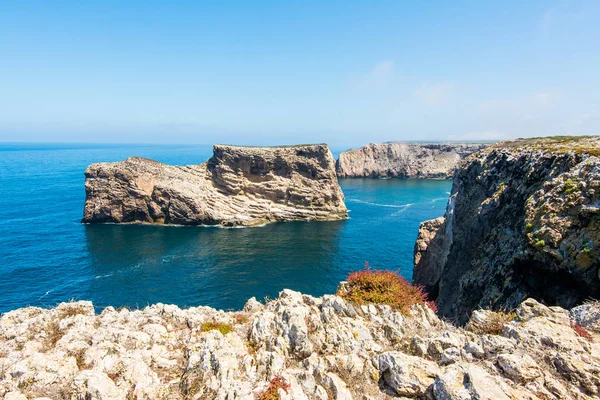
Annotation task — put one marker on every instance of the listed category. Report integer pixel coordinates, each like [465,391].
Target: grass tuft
[216,326]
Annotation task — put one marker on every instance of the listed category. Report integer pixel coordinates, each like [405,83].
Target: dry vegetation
[558,144]
[581,331]
[383,287]
[494,324]
[272,392]
[241,318]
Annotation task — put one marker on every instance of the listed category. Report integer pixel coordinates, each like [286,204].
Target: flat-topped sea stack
[238,186]
[523,220]
[404,160]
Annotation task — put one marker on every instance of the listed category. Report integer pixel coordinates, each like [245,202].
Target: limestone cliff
[315,348]
[404,160]
[523,220]
[237,186]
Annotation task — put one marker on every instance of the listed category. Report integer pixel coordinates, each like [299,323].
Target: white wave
[378,204]
[406,206]
[438,199]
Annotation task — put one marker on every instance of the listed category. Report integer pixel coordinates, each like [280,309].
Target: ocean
[47,256]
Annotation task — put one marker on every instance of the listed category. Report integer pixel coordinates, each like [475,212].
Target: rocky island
[238,186]
[523,220]
[404,160]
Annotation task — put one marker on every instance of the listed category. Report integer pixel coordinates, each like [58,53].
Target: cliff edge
[404,160]
[523,220]
[238,186]
[297,347]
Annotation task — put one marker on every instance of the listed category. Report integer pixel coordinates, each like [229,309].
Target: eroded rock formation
[324,348]
[523,220]
[404,160]
[237,186]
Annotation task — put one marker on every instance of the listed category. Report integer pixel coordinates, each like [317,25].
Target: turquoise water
[48,256]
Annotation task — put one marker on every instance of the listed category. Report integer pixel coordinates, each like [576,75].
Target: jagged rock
[237,186]
[404,160]
[522,221]
[15,396]
[429,254]
[406,375]
[95,385]
[164,352]
[518,367]
[587,315]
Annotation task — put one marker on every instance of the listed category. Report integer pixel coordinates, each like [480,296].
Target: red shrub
[581,331]
[272,392]
[384,287]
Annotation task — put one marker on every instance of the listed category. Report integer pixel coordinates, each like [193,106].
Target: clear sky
[277,72]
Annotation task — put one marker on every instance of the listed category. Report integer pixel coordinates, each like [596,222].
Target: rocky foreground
[523,220]
[315,348]
[404,160]
[238,186]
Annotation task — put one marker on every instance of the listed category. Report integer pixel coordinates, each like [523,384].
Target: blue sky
[274,72]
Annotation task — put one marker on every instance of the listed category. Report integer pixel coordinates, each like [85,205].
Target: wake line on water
[438,199]
[163,260]
[403,206]
[406,206]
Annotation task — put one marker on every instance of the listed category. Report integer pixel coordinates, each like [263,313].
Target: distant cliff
[523,220]
[404,160]
[237,186]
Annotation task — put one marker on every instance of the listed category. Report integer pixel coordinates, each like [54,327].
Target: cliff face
[322,348]
[237,186]
[404,160]
[522,221]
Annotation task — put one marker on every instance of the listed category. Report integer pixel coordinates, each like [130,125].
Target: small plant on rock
[581,331]
[272,392]
[494,324]
[216,326]
[241,318]
[570,186]
[384,287]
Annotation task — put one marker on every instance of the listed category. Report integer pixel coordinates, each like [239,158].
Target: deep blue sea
[48,256]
